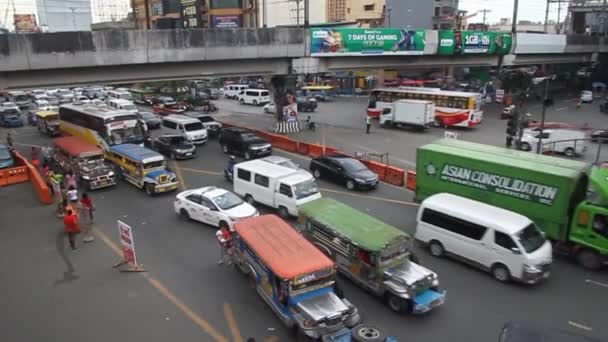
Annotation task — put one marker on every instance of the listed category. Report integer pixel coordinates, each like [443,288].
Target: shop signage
[359,41]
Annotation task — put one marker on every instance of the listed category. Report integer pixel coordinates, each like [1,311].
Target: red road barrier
[410,182]
[42,190]
[303,148]
[374,113]
[284,143]
[395,176]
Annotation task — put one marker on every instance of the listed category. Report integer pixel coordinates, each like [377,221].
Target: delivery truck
[566,199]
[415,113]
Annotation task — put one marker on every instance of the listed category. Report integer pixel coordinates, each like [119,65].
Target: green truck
[567,199]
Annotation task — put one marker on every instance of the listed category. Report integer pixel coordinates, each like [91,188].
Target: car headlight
[111,173]
[86,177]
[531,268]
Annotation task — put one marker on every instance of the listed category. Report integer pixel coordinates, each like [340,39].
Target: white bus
[452,108]
[101,126]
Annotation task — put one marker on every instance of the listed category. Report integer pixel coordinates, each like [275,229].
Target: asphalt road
[206,302]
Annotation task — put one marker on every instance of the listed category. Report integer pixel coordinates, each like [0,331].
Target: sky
[533,10]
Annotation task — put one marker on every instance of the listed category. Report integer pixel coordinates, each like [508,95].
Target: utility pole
[199,13]
[514,24]
[484,16]
[547,15]
[306,14]
[147,12]
[559,10]
[264,14]
[388,16]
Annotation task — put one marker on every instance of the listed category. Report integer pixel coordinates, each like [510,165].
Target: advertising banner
[126,243]
[360,41]
[474,42]
[25,23]
[226,21]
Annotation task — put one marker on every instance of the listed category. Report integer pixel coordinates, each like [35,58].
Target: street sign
[126,243]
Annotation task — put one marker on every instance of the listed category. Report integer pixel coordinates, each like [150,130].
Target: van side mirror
[515,250]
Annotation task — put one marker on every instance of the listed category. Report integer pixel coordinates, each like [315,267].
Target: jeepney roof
[361,229]
[524,160]
[137,153]
[287,253]
[46,113]
[77,147]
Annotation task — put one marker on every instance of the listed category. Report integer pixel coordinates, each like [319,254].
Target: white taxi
[214,206]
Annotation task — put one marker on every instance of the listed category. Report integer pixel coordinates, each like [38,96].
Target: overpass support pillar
[283,89]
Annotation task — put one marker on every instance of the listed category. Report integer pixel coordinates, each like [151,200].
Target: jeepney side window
[364,256]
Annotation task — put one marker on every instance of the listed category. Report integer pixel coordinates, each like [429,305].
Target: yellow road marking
[194,317]
[213,173]
[384,199]
[234,330]
[180,178]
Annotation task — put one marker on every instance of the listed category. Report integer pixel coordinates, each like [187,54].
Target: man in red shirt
[70,221]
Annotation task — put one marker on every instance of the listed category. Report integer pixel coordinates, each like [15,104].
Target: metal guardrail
[586,141]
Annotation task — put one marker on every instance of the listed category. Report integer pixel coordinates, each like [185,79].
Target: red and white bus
[452,108]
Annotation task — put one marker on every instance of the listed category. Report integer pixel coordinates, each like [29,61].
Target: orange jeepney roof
[281,247]
[76,146]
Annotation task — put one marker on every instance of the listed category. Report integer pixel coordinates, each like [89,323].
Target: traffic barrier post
[410,183]
[395,176]
[303,148]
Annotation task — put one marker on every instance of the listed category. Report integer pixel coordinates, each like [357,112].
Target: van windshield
[129,107]
[195,126]
[305,189]
[4,154]
[531,238]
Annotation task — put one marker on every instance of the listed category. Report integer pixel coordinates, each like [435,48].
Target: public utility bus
[452,108]
[101,126]
[320,93]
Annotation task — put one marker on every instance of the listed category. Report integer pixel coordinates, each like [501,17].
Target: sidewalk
[50,293]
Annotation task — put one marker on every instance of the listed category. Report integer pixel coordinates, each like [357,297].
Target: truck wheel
[367,333]
[316,173]
[396,304]
[588,259]
[436,248]
[149,189]
[569,152]
[283,212]
[501,273]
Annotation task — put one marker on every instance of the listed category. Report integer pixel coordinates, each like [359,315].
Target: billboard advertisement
[474,42]
[362,41]
[25,23]
[227,21]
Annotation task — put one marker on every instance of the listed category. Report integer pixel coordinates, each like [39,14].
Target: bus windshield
[125,135]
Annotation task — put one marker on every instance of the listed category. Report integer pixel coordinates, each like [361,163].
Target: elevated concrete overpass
[69,58]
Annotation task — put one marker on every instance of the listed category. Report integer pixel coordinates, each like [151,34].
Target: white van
[255,97]
[507,244]
[273,185]
[123,105]
[188,127]
[119,94]
[232,91]
[555,140]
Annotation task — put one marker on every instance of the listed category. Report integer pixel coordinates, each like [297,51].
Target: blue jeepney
[144,168]
[297,281]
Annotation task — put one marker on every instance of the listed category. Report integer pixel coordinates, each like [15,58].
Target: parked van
[119,94]
[273,185]
[232,91]
[254,96]
[567,141]
[19,98]
[126,105]
[188,127]
[507,244]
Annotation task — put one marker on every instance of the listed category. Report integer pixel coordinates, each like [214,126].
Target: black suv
[174,146]
[243,142]
[344,170]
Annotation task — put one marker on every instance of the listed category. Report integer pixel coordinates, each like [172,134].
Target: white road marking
[580,326]
[596,283]
[560,109]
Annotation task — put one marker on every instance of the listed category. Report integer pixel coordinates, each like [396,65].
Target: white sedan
[214,206]
[587,96]
[270,108]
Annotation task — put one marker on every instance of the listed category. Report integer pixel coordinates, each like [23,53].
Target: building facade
[336,10]
[64,15]
[413,14]
[291,12]
[166,14]
[368,13]
[588,17]
[445,14]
